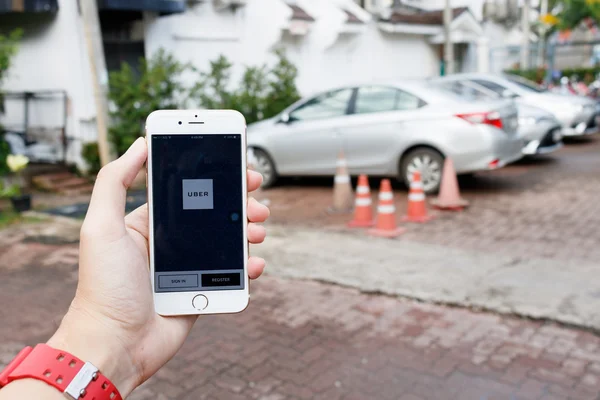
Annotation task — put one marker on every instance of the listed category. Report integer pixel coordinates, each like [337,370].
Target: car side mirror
[507,94]
[284,118]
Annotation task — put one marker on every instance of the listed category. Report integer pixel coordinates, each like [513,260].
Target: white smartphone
[197,200]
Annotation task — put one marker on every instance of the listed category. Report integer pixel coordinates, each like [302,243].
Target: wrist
[81,338]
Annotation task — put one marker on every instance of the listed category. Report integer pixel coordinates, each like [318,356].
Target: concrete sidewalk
[565,291]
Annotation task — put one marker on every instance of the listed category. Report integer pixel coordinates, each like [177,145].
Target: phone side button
[200,302]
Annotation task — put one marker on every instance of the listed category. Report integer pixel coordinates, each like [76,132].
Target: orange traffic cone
[417,210]
[342,188]
[386,213]
[363,213]
[449,197]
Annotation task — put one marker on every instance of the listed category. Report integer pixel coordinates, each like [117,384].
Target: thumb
[106,213]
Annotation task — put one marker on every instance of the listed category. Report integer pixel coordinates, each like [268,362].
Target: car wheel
[428,162]
[266,166]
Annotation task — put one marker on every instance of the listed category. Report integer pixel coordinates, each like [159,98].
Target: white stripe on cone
[342,179]
[362,202]
[386,209]
[386,196]
[416,185]
[416,197]
[341,163]
[362,189]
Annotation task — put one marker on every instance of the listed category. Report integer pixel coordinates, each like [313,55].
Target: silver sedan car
[387,129]
[540,130]
[577,115]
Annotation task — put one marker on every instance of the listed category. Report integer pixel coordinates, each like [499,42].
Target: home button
[200,302]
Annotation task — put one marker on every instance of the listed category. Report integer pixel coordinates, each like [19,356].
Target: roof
[423,18]
[299,13]
[352,18]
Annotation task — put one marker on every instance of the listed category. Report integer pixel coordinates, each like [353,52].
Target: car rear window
[525,83]
[445,91]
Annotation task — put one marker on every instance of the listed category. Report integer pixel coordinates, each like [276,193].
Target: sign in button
[178,281]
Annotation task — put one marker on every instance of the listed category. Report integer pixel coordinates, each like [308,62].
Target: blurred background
[462,264]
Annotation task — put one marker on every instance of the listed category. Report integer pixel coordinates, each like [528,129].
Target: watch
[65,372]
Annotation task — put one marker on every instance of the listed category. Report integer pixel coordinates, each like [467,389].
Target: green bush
[8,48]
[282,86]
[4,152]
[587,75]
[91,155]
[262,92]
[133,96]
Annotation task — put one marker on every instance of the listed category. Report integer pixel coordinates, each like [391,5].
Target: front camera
[196,116]
[179,122]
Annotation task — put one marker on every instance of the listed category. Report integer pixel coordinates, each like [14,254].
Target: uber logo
[197,194]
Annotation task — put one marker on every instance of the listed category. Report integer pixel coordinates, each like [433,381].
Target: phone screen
[198,212]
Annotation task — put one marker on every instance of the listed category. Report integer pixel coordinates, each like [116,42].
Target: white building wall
[52,55]
[325,57]
[245,36]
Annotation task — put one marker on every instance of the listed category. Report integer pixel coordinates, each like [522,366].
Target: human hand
[111,322]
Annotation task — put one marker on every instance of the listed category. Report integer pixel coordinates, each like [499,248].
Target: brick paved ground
[307,340]
[546,207]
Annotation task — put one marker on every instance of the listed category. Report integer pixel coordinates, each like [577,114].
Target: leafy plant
[587,75]
[211,91]
[261,93]
[134,96]
[91,155]
[8,48]
[251,97]
[4,152]
[282,85]
[573,12]
[8,191]
[16,164]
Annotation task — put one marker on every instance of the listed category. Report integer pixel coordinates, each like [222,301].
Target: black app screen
[197,211]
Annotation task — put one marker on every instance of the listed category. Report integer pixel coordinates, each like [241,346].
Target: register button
[213,280]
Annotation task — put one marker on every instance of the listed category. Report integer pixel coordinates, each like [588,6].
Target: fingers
[254,180]
[256,233]
[138,220]
[257,212]
[107,206]
[256,266]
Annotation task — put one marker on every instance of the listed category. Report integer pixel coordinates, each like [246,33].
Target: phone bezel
[206,122]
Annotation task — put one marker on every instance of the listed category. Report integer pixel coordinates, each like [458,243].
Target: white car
[577,115]
[387,129]
[540,130]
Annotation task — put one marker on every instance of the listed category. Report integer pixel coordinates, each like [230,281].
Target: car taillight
[489,118]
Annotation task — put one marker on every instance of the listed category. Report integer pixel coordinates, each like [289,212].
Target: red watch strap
[59,369]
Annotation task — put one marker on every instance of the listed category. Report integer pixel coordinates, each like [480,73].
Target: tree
[572,12]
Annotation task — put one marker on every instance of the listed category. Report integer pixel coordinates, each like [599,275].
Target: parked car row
[482,122]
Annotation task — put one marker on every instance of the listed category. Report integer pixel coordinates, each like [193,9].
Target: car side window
[372,99]
[406,101]
[327,105]
[494,87]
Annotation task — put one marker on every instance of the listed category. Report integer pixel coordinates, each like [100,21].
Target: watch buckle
[85,376]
